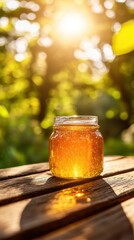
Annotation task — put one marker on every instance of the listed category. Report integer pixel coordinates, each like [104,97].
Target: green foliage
[21,142]
[118,147]
[44,74]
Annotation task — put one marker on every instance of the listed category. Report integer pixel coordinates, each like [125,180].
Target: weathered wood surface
[54,210]
[104,225]
[19,188]
[36,205]
[23,170]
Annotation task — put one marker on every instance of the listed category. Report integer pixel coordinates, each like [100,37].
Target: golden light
[72,24]
[68,199]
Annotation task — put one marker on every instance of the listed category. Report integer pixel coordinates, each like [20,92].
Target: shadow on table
[52,211]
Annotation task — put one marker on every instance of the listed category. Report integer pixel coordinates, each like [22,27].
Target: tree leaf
[123,41]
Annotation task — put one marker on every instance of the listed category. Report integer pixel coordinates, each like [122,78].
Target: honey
[76,147]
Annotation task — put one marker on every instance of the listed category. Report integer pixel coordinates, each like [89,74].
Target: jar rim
[76,120]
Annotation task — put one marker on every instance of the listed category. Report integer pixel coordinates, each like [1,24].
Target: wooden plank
[120,165]
[29,186]
[23,170]
[114,223]
[113,158]
[36,168]
[49,212]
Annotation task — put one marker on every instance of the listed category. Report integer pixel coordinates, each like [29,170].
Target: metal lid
[76,120]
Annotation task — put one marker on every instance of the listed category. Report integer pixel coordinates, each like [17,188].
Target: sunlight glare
[19,57]
[72,24]
[4,22]
[12,4]
[21,45]
[108,53]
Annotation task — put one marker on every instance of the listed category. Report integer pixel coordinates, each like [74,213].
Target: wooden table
[35,205]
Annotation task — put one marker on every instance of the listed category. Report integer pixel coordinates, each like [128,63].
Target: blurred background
[64,58]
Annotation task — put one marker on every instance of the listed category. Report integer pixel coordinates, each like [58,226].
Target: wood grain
[23,170]
[49,212]
[118,166]
[36,184]
[114,223]
[113,158]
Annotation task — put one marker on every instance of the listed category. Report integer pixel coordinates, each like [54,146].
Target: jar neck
[76,127]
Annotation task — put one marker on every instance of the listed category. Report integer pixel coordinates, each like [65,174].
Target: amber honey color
[76,151]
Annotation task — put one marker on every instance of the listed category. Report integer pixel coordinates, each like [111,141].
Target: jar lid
[76,120]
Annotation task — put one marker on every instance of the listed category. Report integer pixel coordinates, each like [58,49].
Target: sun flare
[72,24]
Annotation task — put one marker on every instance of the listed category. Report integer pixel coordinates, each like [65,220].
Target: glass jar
[76,147]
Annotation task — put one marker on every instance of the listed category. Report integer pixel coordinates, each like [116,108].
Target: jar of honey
[76,147]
